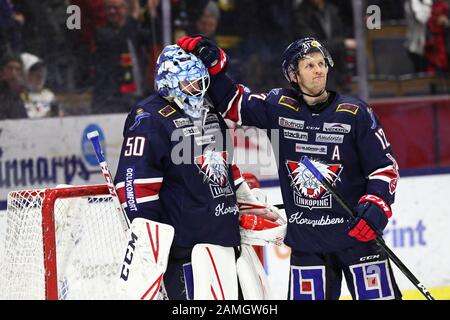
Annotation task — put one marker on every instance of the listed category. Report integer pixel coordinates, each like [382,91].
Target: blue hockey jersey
[346,143]
[172,170]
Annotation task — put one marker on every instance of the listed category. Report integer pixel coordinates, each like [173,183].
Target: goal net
[61,243]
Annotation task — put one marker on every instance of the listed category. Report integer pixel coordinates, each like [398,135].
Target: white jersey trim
[140,181]
[143,200]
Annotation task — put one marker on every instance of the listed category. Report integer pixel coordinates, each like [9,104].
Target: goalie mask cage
[61,243]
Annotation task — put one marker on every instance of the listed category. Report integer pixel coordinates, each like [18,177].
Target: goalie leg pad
[145,260]
[214,272]
[252,277]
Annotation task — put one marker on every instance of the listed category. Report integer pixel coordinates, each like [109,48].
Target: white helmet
[181,77]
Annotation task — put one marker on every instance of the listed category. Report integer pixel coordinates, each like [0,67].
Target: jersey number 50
[134,147]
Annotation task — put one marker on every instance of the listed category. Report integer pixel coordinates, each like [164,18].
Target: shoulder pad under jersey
[285,98]
[351,105]
[146,113]
[356,107]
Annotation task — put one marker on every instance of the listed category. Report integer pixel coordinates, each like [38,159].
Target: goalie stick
[93,136]
[379,240]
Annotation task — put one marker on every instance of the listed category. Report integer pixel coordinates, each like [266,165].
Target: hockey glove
[211,55]
[373,212]
[256,230]
[251,201]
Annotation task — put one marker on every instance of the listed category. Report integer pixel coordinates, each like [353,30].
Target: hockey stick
[93,136]
[379,240]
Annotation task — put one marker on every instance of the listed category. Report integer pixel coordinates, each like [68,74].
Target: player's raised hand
[211,55]
[189,43]
[373,214]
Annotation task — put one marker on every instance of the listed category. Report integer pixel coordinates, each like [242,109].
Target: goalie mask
[181,77]
[300,49]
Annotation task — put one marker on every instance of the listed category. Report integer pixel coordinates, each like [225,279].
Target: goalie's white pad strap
[262,237]
[145,260]
[246,198]
[262,196]
[214,272]
[259,194]
[252,277]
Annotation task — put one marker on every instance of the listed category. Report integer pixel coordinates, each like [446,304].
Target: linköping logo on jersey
[213,166]
[308,192]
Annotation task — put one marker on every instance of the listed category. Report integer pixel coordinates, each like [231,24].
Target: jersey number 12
[382,137]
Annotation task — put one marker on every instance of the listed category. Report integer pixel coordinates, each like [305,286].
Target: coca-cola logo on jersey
[214,168]
[308,192]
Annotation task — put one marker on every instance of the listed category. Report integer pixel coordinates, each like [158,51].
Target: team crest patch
[289,102]
[213,166]
[347,107]
[140,114]
[167,111]
[308,192]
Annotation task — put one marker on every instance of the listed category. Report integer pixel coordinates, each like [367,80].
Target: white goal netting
[87,249]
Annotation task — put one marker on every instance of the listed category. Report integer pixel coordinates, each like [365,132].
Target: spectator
[39,101]
[187,13]
[11,80]
[11,22]
[437,26]
[180,21]
[204,20]
[320,19]
[268,28]
[44,28]
[121,46]
[345,8]
[254,33]
[417,13]
[149,15]
[94,17]
[206,24]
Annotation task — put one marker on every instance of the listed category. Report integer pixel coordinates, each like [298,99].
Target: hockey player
[177,184]
[344,138]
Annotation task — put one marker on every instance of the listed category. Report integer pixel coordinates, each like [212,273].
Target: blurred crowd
[112,56]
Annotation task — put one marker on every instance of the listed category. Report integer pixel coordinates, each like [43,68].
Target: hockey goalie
[186,199]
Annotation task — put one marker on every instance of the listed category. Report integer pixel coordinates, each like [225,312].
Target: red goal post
[61,243]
